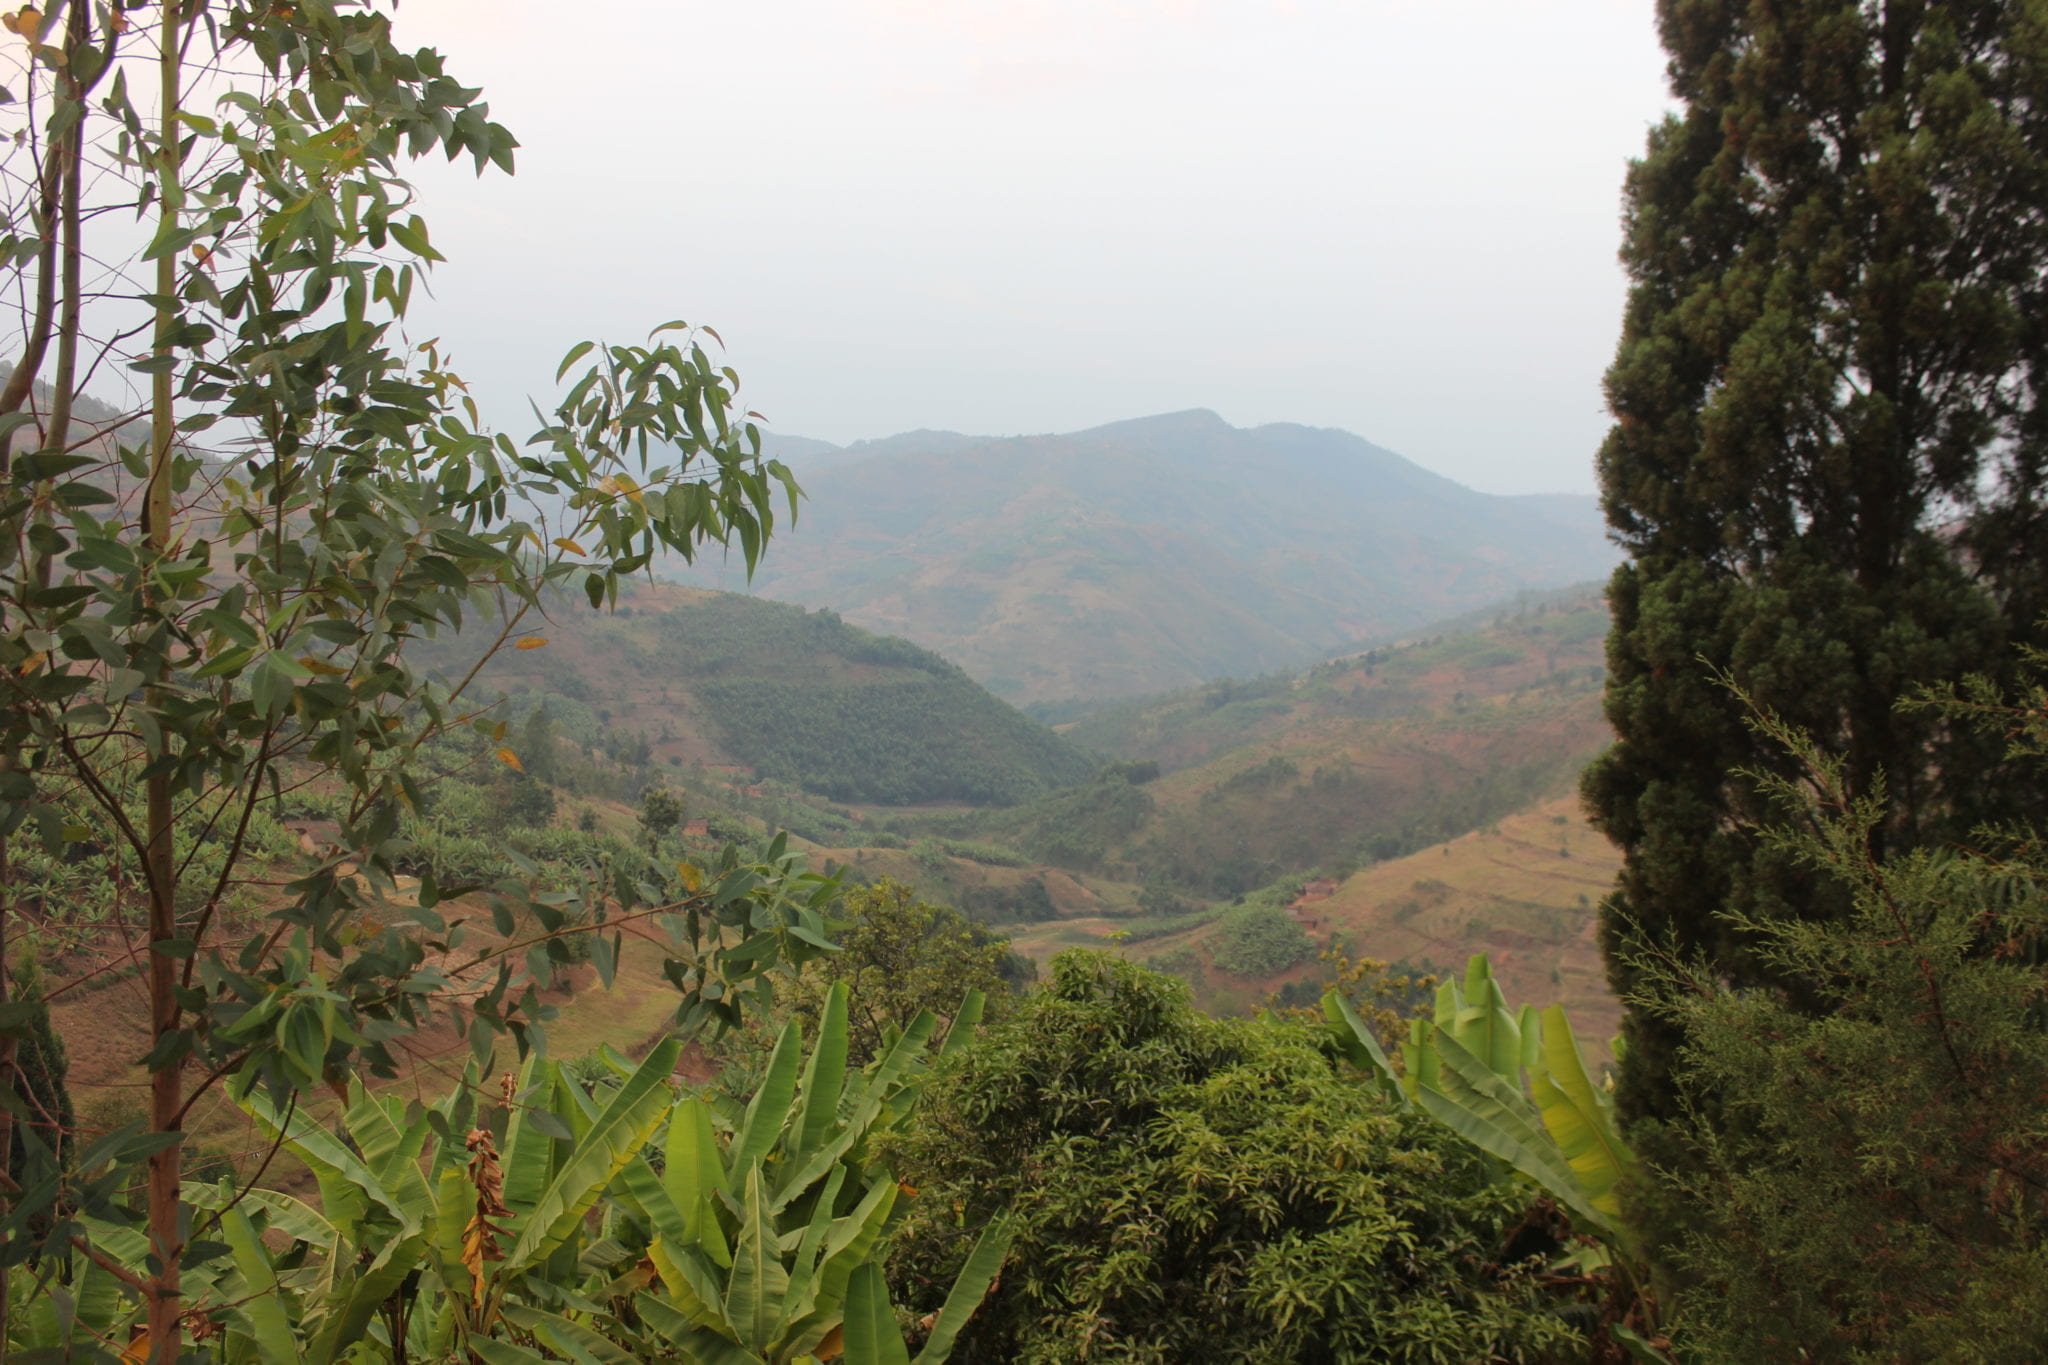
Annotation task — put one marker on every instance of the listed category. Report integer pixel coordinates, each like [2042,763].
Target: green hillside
[798,697]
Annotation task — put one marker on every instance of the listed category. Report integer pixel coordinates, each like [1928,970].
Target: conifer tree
[46,1122]
[1827,462]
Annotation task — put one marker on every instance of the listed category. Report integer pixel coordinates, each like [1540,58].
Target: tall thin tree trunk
[166,1082]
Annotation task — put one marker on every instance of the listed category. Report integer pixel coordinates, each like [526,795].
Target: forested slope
[800,697]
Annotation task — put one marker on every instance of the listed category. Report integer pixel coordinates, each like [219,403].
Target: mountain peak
[1187,421]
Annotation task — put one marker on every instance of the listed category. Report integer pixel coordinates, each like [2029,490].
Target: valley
[1420,792]
[1448,759]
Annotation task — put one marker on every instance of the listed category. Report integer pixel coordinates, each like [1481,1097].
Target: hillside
[1226,788]
[1521,890]
[803,698]
[1549,644]
[1152,554]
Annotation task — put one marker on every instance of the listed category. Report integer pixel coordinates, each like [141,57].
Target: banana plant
[1513,1083]
[406,1209]
[766,1238]
[631,1223]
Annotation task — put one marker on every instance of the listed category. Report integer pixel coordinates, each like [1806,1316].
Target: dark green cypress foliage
[1829,449]
[44,1119]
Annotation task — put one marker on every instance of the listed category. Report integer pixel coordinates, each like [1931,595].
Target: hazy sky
[1011,216]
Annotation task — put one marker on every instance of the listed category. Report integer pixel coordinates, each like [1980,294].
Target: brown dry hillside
[1523,891]
[105,1033]
[1548,646]
[1341,790]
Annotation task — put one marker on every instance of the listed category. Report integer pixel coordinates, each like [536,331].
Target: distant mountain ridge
[1151,554]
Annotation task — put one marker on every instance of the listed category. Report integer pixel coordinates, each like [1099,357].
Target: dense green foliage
[1023,902]
[41,1137]
[806,698]
[1187,1189]
[900,956]
[590,1213]
[1876,1184]
[1078,827]
[1828,460]
[661,810]
[1258,940]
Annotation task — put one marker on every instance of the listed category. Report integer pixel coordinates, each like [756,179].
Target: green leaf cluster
[1258,940]
[899,957]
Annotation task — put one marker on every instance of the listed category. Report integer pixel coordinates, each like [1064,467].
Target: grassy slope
[1552,648]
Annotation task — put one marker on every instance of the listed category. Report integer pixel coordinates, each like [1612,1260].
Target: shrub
[1193,1189]
[1258,940]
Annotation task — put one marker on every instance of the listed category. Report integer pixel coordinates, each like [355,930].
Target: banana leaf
[759,1281]
[1577,1116]
[966,1019]
[1360,1047]
[261,1305]
[693,1287]
[530,1154]
[347,1186]
[1483,1026]
[872,1337]
[1497,1118]
[568,1339]
[769,1109]
[970,1287]
[629,1119]
[348,1316]
[824,1076]
[801,1298]
[692,1166]
[700,1347]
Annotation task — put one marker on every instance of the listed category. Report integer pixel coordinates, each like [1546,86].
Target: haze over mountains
[1151,554]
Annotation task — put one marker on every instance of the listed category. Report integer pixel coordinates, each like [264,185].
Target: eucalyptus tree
[206,596]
